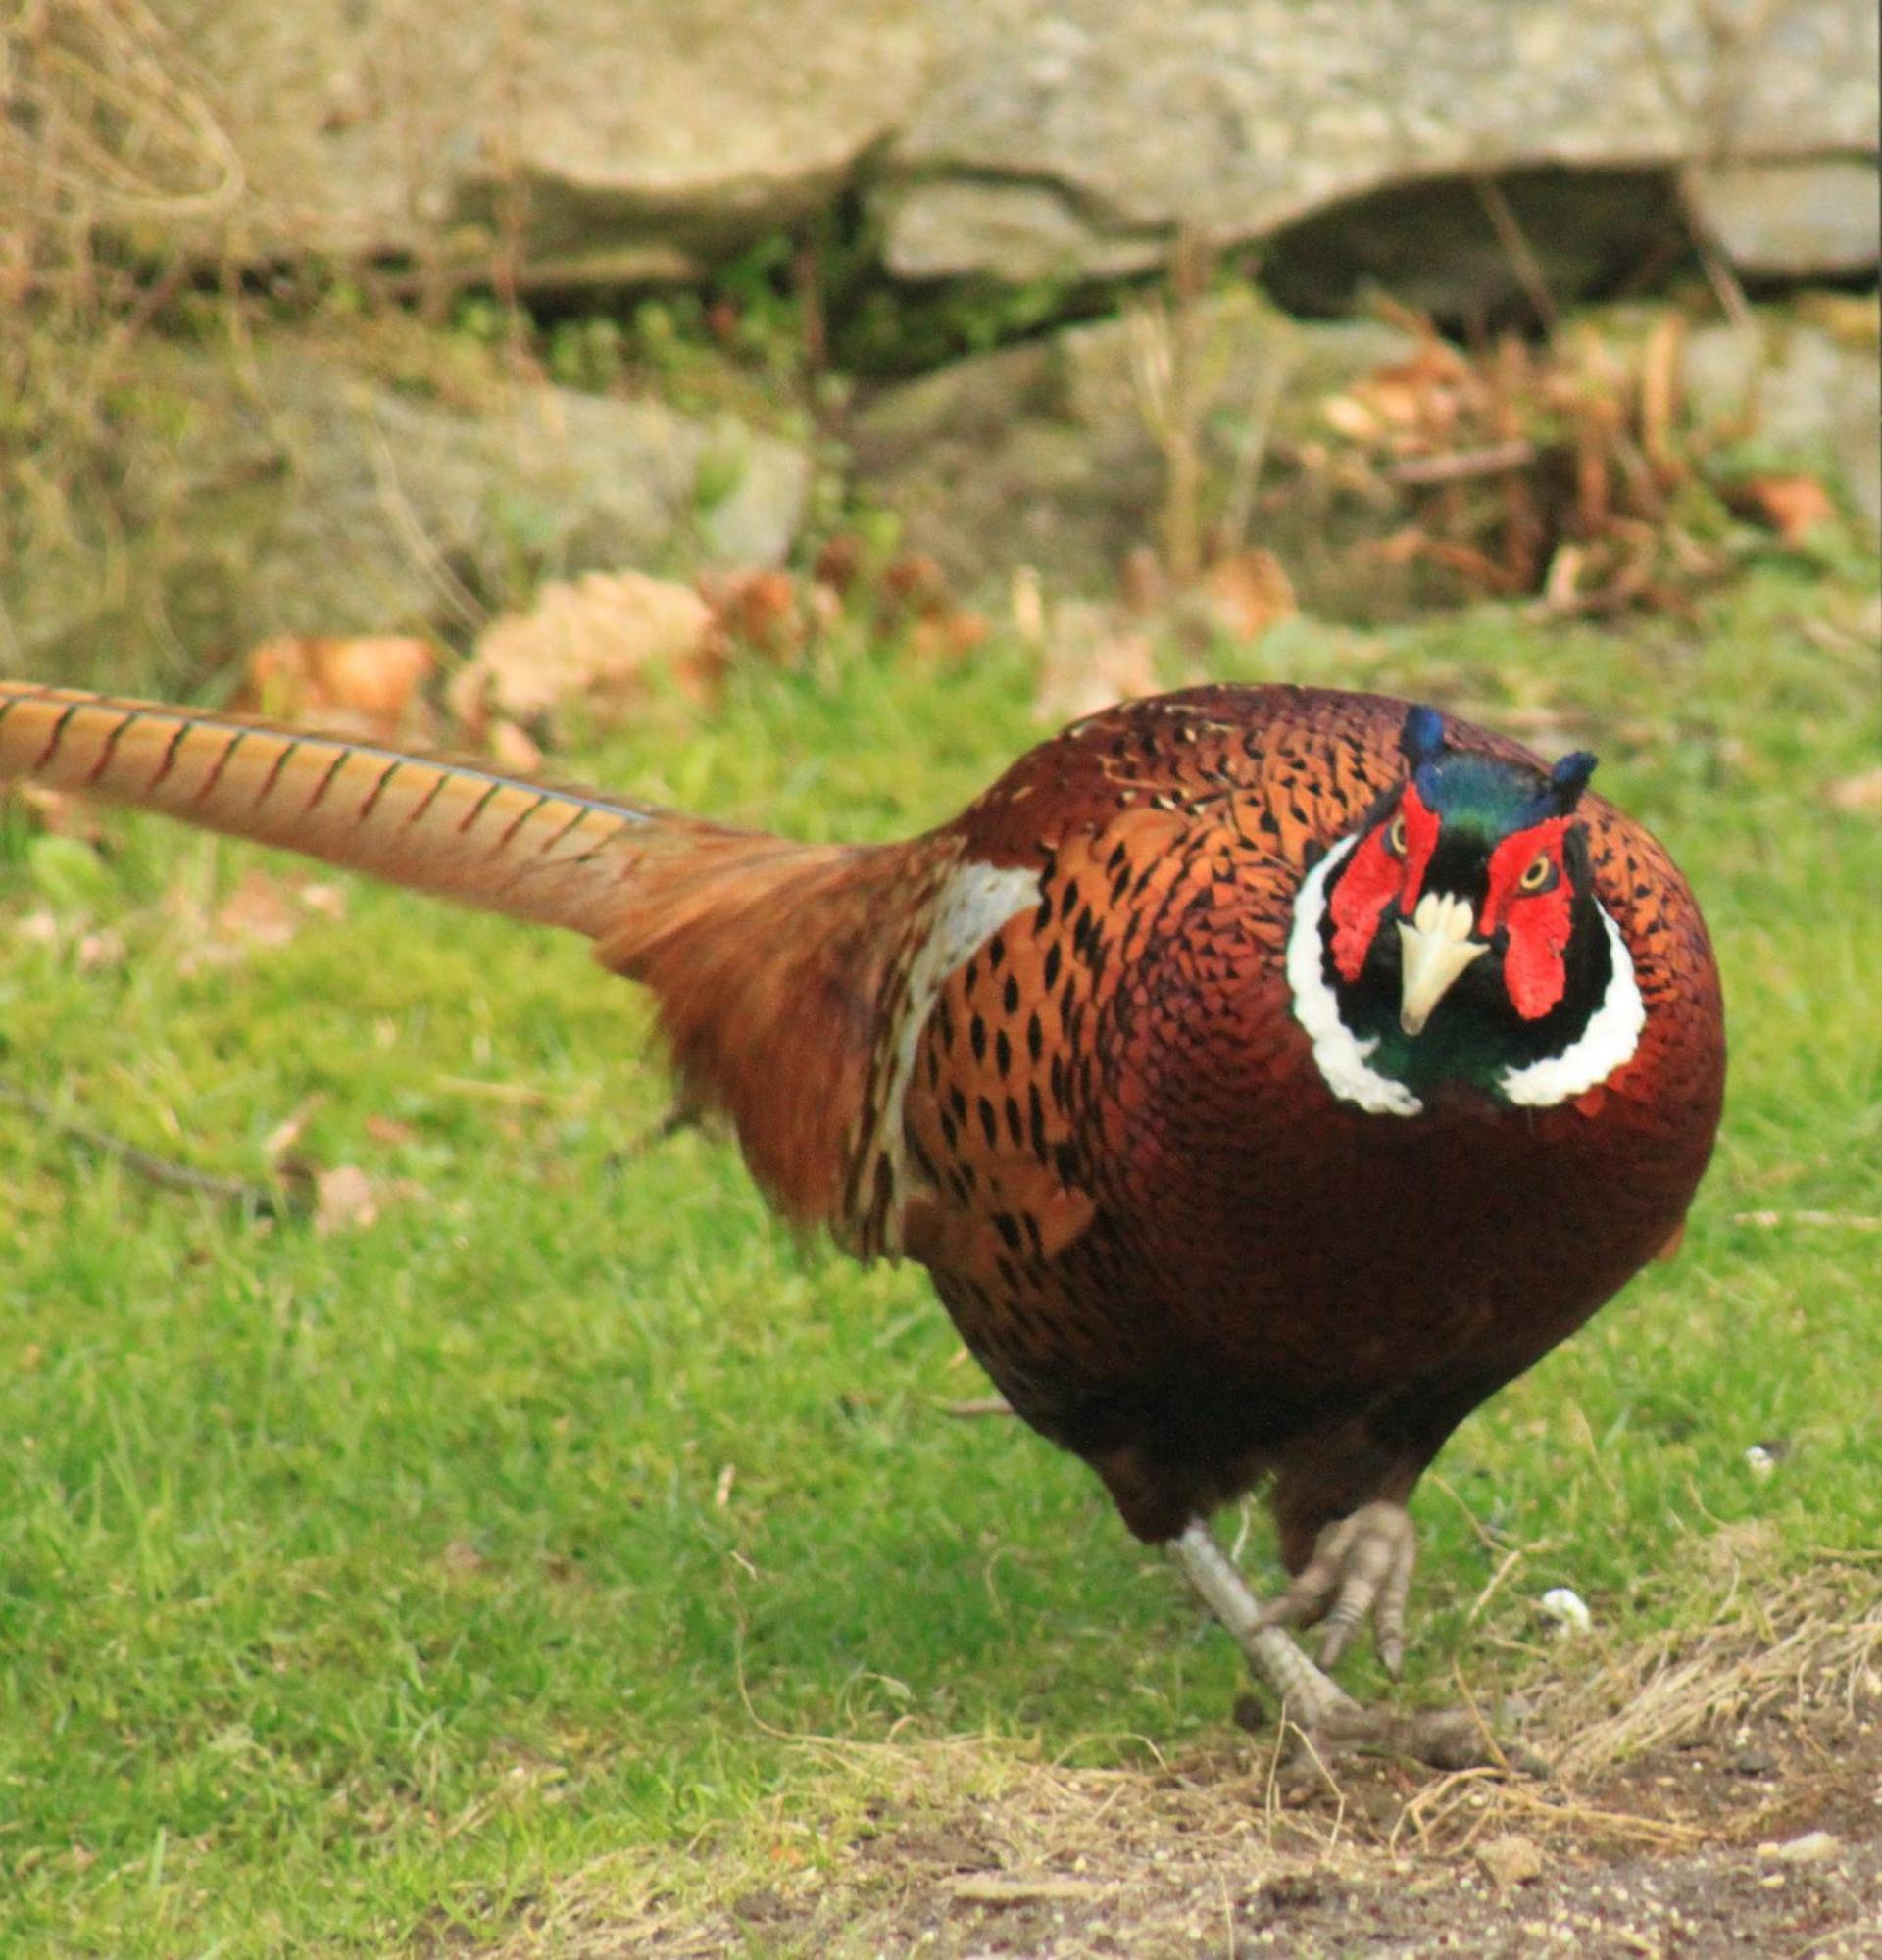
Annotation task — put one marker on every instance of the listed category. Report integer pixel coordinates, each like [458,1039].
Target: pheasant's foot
[1442,1738]
[1325,1716]
[1361,1567]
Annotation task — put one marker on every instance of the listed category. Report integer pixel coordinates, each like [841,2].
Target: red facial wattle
[1538,923]
[1377,876]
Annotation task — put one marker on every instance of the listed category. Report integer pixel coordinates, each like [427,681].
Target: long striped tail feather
[448,825]
[761,952]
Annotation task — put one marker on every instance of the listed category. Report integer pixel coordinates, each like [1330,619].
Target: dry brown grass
[105,134]
[106,145]
[883,1847]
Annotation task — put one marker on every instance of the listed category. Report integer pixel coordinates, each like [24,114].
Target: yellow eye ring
[1395,835]
[1537,874]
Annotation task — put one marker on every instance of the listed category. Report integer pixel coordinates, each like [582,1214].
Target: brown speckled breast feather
[1169,1244]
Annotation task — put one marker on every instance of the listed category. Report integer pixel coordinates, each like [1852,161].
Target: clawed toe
[1441,1739]
[1361,1564]
[1362,1568]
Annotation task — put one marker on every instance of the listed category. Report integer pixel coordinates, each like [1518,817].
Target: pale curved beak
[1434,947]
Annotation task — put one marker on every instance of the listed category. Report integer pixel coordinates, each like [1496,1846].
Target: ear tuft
[1568,778]
[1421,739]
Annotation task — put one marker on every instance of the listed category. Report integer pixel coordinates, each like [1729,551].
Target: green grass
[357,1586]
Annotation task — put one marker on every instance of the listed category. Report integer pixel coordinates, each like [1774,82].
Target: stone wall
[620,140]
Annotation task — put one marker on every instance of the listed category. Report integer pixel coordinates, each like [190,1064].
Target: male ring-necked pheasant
[1263,1075]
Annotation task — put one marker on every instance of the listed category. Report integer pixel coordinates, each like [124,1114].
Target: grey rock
[1814,1847]
[627,140]
[1020,231]
[601,139]
[1804,218]
[1046,453]
[1807,391]
[1066,135]
[304,494]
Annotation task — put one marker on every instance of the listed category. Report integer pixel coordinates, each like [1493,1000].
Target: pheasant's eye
[1395,836]
[1538,873]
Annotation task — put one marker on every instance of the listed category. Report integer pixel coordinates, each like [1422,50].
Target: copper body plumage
[1051,1051]
[1220,1269]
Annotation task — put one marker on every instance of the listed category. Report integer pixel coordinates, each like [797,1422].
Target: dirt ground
[1715,1796]
[1781,1859]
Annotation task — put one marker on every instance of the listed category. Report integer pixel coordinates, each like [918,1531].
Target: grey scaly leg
[1307,1696]
[1448,1738]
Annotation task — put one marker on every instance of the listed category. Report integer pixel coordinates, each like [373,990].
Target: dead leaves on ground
[1795,507]
[592,651]
[370,688]
[1090,657]
[1858,795]
[1572,470]
[344,1199]
[341,1196]
[589,646]
[602,647]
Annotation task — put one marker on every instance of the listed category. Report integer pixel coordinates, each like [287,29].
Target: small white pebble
[1814,1848]
[1567,1611]
[1759,1462]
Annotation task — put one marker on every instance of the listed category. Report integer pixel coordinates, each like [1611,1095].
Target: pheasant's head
[1454,936]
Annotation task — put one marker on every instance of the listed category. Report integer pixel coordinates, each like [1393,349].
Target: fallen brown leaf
[461,1558]
[1858,793]
[946,636]
[1349,416]
[838,561]
[259,911]
[513,747]
[1027,602]
[1511,1860]
[102,951]
[1246,592]
[288,1132]
[589,645]
[370,686]
[769,612]
[344,1199]
[1793,506]
[761,610]
[58,813]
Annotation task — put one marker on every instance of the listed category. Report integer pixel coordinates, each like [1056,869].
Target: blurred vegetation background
[457,1516]
[375,319]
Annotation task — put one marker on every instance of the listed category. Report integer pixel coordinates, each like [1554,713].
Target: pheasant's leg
[1446,1739]
[1307,1696]
[1361,1567]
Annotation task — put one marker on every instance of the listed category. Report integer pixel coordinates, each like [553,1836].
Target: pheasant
[1265,1075]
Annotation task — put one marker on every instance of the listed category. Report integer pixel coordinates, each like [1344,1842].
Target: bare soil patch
[1717,1793]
